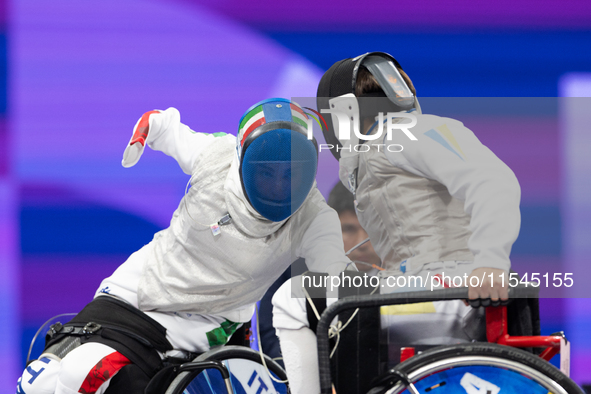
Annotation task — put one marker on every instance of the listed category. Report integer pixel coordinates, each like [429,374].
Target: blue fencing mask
[277,160]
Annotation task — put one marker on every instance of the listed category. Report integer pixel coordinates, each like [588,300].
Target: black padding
[357,359]
[109,311]
[523,319]
[122,327]
[161,381]
[130,380]
[145,357]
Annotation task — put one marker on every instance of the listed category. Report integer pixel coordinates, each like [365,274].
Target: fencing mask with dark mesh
[277,160]
[336,91]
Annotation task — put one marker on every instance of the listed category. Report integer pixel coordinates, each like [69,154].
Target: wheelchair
[229,369]
[498,366]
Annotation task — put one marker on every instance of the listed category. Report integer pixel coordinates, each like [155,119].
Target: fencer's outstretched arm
[163,131]
[450,153]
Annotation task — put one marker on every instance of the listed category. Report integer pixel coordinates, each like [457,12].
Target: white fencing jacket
[187,269]
[443,197]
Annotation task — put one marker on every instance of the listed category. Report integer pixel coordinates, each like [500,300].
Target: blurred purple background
[76,75]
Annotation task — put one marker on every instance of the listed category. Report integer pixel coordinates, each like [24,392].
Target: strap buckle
[91,328]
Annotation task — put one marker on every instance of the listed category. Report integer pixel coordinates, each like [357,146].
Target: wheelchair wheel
[475,368]
[247,374]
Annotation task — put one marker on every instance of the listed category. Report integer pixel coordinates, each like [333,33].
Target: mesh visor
[278,171]
[390,80]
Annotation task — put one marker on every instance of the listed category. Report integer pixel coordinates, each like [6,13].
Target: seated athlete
[252,209]
[443,206]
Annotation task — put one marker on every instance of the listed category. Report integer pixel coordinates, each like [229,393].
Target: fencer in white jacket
[253,208]
[441,205]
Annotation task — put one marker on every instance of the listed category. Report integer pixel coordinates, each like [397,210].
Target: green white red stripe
[298,116]
[254,119]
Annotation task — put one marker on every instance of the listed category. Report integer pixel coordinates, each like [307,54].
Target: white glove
[137,143]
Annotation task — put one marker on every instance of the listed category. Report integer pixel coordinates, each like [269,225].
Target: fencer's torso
[186,268]
[409,217]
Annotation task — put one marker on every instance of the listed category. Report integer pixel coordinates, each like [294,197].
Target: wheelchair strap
[115,323]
